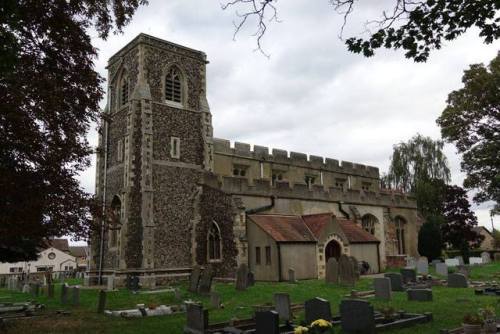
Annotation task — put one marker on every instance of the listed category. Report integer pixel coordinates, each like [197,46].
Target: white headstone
[452,262]
[411,262]
[442,269]
[486,257]
[423,266]
[111,283]
[475,260]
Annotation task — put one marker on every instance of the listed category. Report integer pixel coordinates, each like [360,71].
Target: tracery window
[173,85]
[400,234]
[368,222]
[214,242]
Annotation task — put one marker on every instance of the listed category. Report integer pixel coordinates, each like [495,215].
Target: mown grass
[448,307]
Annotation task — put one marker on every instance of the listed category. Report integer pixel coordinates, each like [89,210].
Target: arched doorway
[332,249]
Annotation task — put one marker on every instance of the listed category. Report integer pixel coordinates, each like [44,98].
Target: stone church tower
[155,151]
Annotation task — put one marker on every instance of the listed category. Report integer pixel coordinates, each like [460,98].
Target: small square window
[239,171]
[175,147]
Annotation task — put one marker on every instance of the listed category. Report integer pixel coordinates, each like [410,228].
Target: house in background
[81,254]
[55,257]
[488,242]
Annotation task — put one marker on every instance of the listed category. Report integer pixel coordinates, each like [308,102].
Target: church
[173,196]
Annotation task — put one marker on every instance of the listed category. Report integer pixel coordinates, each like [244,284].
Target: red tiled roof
[354,233]
[317,222]
[284,228]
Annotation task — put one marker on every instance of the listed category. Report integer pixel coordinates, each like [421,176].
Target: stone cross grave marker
[423,266]
[196,319]
[101,304]
[242,277]
[317,308]
[457,281]
[194,278]
[422,295]
[205,285]
[357,316]
[282,306]
[396,281]
[382,286]
[442,269]
[486,257]
[409,275]
[267,322]
[332,271]
[346,272]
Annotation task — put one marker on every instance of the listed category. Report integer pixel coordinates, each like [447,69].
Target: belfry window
[309,180]
[400,235]
[173,85]
[124,87]
[214,243]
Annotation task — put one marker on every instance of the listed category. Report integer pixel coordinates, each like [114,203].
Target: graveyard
[447,306]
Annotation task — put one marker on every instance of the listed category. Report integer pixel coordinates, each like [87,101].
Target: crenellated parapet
[262,153]
[285,189]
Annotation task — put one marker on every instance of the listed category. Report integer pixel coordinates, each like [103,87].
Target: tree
[414,26]
[471,120]
[457,231]
[50,95]
[429,238]
[419,160]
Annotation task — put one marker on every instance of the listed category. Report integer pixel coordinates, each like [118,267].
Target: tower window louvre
[173,86]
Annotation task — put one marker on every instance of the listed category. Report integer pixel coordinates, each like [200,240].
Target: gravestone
[332,271]
[442,269]
[205,285]
[133,282]
[27,288]
[396,281]
[317,308]
[355,267]
[250,278]
[242,277]
[486,257]
[460,260]
[50,290]
[452,262]
[411,262]
[215,299]
[409,275]
[346,272]
[382,286]
[435,261]
[101,304]
[36,289]
[475,261]
[457,280]
[111,283]
[496,257]
[291,275]
[282,306]
[423,266]
[64,293]
[357,316]
[421,295]
[194,279]
[76,296]
[267,322]
[196,319]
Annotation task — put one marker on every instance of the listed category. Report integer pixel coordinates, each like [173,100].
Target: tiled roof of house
[78,251]
[354,233]
[284,228]
[479,229]
[317,222]
[61,244]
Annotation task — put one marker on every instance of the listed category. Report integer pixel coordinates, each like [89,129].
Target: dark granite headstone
[251,278]
[267,322]
[64,293]
[76,296]
[205,285]
[357,317]
[332,271]
[282,306]
[421,295]
[101,304]
[196,319]
[317,308]
[396,281]
[457,281]
[382,287]
[409,275]
[242,277]
[194,279]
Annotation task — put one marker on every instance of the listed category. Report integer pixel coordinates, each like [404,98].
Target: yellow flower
[321,323]
[300,330]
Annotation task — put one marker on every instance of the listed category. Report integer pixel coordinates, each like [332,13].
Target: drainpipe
[262,208]
[342,210]
[280,276]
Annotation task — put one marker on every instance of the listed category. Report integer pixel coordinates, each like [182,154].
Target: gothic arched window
[124,89]
[400,234]
[214,242]
[114,221]
[368,222]
[173,85]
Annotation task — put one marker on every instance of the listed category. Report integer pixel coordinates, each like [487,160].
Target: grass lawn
[448,307]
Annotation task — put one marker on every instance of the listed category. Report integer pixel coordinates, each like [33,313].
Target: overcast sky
[311,95]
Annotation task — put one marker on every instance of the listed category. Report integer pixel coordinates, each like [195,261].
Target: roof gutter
[262,208]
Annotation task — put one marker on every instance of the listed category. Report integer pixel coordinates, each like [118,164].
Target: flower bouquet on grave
[489,319]
[320,326]
[388,313]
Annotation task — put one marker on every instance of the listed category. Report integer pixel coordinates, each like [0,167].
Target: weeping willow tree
[418,161]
